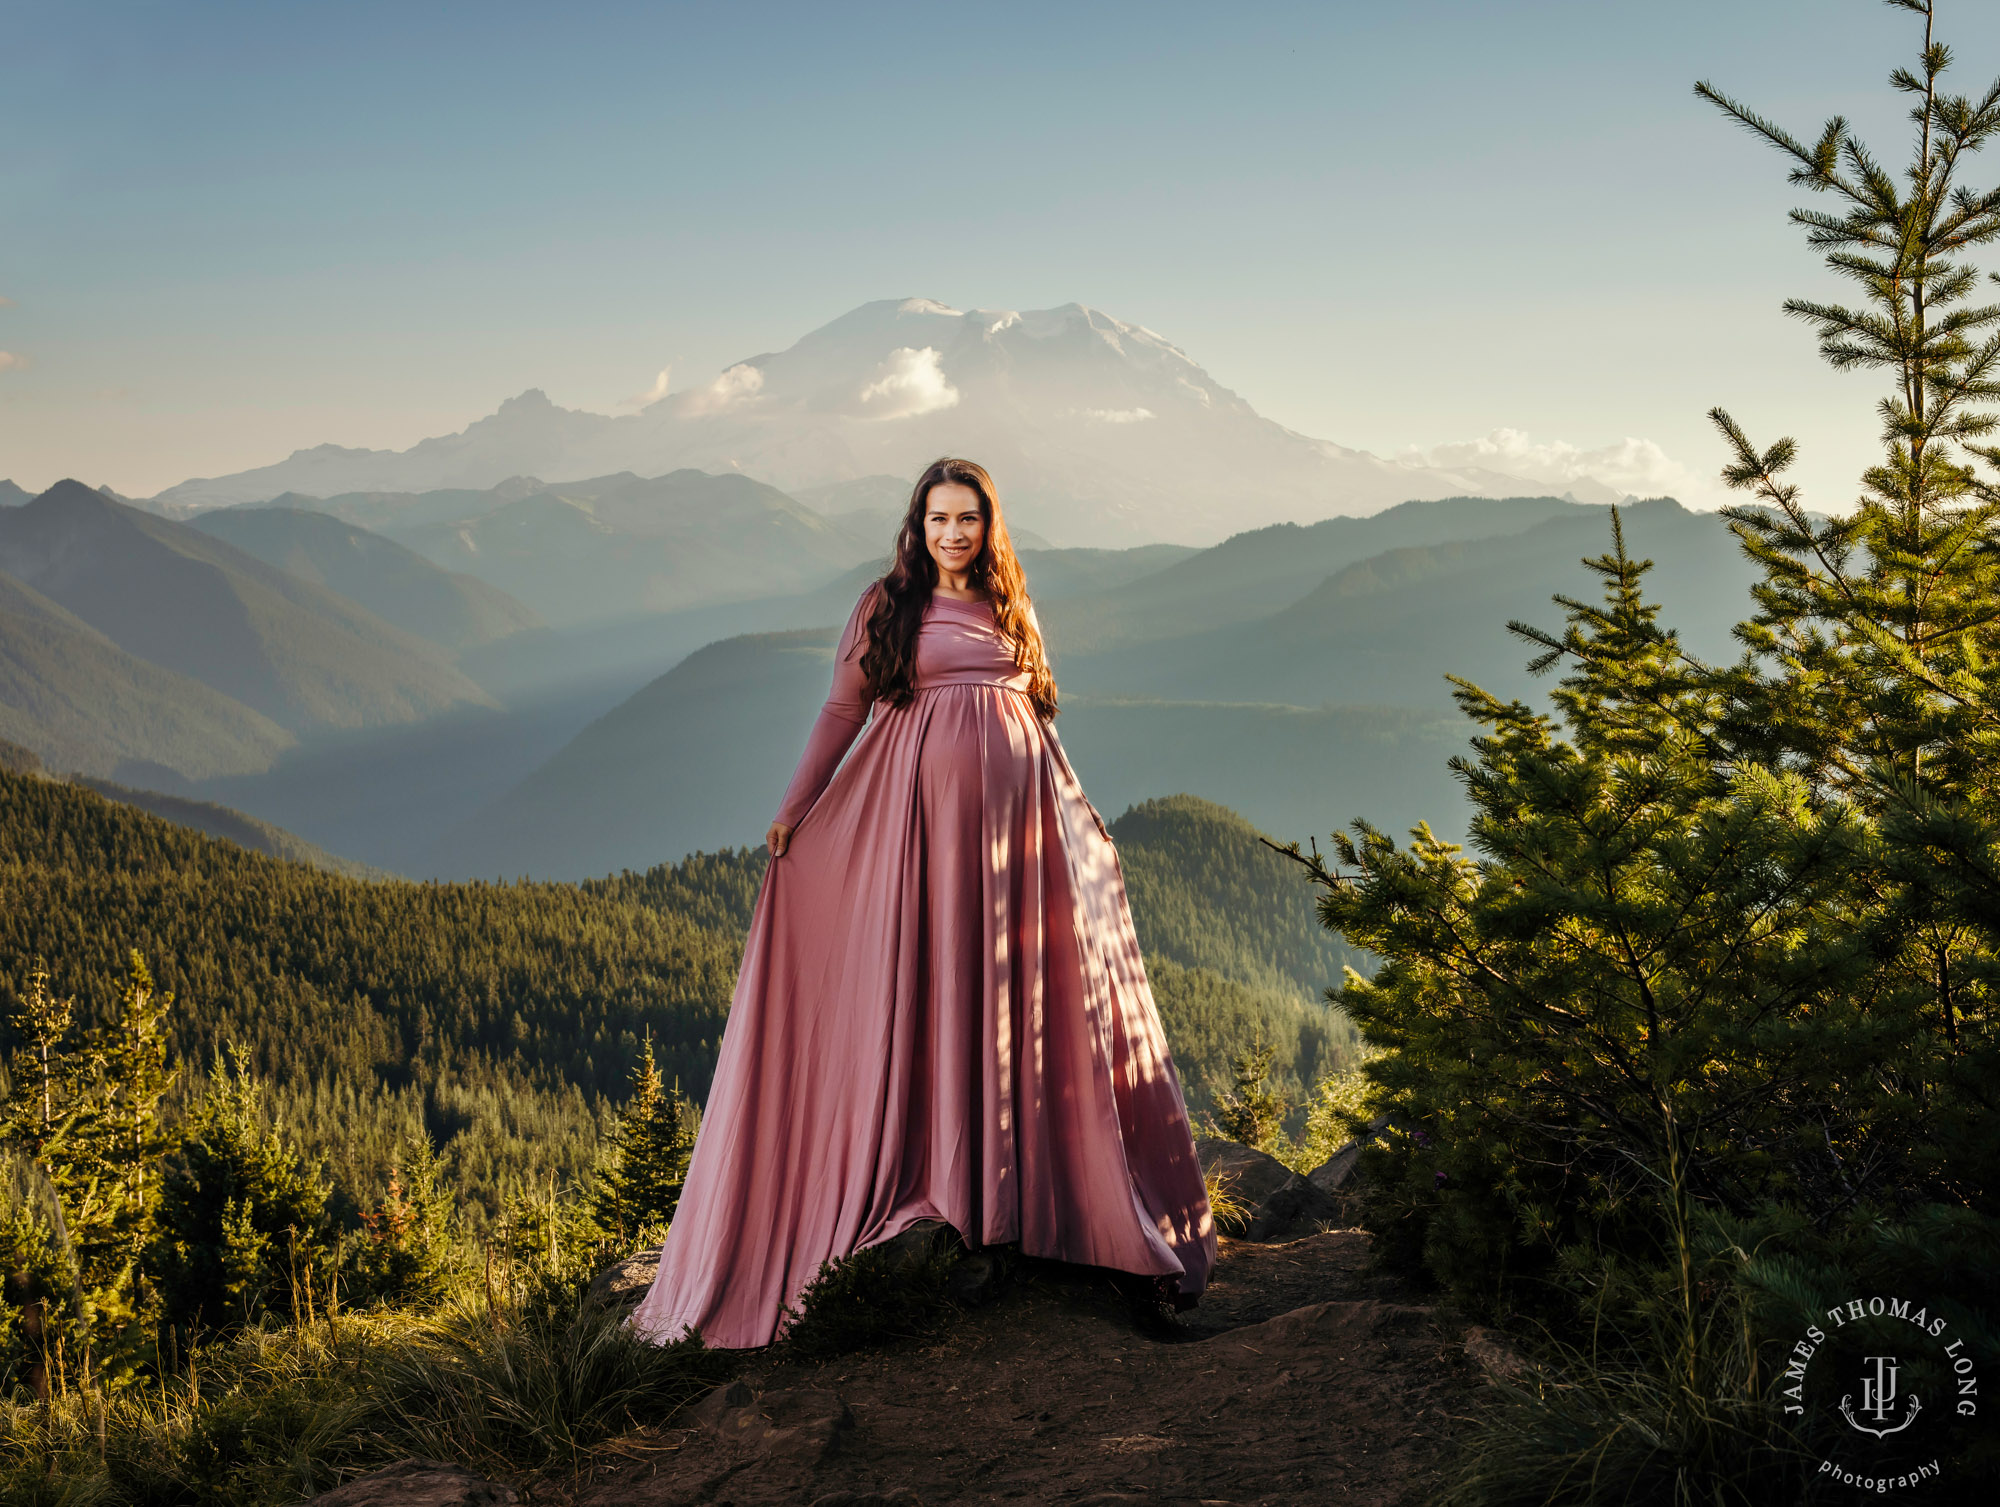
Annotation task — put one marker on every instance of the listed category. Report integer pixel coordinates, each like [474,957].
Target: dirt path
[1300,1378]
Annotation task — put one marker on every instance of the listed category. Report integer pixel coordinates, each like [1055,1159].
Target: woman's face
[954,527]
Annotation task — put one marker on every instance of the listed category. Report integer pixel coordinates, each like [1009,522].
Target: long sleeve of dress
[840,720]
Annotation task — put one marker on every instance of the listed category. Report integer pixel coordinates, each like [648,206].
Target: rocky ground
[1300,1378]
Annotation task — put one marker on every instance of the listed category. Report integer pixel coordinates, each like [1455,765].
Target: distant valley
[391,679]
[1294,675]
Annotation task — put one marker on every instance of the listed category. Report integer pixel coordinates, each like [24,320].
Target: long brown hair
[890,660]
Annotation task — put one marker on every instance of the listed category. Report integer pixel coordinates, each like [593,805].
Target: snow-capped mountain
[1097,431]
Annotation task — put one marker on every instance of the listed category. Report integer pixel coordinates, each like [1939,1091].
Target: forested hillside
[1207,893]
[497,1015]
[233,826]
[504,1019]
[1234,950]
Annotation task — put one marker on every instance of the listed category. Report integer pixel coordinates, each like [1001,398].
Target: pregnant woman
[942,1013]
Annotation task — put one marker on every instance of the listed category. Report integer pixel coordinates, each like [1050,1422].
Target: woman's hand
[778,839]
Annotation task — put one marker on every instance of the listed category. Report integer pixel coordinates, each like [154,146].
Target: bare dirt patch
[1300,1378]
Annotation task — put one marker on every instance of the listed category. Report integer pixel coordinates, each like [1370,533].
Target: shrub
[872,1297]
[1253,1110]
[534,1385]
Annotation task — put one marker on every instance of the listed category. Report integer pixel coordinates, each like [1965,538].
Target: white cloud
[652,394]
[739,384]
[1116,415]
[909,383]
[1637,466]
[9,361]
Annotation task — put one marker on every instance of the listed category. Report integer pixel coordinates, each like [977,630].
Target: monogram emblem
[1878,1400]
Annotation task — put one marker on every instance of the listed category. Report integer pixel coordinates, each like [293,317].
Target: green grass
[526,1388]
[1664,1420]
[538,1389]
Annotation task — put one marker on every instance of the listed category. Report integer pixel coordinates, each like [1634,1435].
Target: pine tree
[1253,1112]
[135,1055]
[1882,623]
[84,1115]
[47,1113]
[1876,642]
[1633,1002]
[404,1254]
[241,1220]
[640,1184]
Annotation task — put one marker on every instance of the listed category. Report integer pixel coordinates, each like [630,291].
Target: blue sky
[228,230]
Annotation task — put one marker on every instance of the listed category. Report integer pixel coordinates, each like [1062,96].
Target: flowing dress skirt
[941,1014]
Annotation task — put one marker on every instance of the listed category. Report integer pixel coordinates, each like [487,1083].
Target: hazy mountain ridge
[300,654]
[1100,432]
[80,702]
[407,591]
[699,758]
[1387,630]
[625,544]
[226,825]
[1293,672]
[1311,704]
[681,766]
[1249,575]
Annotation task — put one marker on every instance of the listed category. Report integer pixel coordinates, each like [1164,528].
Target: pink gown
[941,1014]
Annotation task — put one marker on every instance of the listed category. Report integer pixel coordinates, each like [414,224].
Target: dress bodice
[960,644]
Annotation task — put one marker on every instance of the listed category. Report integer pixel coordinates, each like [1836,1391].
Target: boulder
[1296,1208]
[912,1247]
[418,1483]
[626,1282]
[976,1279]
[727,1398]
[1331,1175]
[1281,1202]
[806,1425]
[1252,1175]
